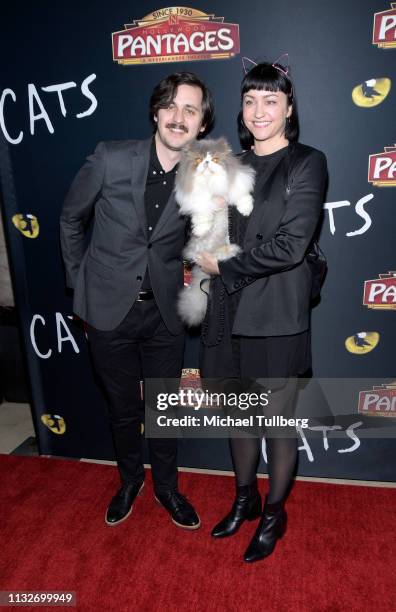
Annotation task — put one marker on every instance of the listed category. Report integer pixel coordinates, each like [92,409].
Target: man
[127,281]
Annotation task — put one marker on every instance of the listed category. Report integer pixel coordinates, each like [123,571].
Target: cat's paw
[245,205]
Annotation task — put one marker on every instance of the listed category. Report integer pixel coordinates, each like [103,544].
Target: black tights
[281,447]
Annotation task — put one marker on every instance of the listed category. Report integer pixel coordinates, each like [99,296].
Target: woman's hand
[208,263]
[219,201]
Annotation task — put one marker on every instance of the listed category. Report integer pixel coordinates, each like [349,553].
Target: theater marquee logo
[175,34]
[27,224]
[378,401]
[384,28]
[382,168]
[371,92]
[362,342]
[55,423]
[381,293]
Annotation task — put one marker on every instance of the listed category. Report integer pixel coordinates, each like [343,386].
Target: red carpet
[338,553]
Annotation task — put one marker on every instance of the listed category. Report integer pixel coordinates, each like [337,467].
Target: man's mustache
[177,126]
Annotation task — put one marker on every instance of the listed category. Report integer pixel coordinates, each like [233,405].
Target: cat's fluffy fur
[208,169]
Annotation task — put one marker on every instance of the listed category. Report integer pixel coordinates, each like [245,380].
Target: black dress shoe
[181,511]
[271,527]
[121,505]
[246,507]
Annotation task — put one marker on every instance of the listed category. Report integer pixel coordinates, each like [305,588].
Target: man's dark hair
[166,90]
[267,76]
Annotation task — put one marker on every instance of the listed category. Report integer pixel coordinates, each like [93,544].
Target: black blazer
[107,276]
[272,270]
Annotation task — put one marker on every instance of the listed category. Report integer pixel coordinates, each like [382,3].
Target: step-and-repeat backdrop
[77,73]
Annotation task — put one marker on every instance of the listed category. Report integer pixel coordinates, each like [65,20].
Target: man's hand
[208,263]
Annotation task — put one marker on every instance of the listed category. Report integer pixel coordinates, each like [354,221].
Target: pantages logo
[175,34]
[382,168]
[384,28]
[378,401]
[191,383]
[381,292]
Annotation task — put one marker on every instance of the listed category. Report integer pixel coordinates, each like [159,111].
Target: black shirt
[264,165]
[159,186]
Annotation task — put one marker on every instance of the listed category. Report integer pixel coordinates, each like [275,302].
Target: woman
[257,324]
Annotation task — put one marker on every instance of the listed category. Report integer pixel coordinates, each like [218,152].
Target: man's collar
[154,161]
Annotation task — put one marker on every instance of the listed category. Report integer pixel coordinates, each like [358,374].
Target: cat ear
[189,150]
[223,143]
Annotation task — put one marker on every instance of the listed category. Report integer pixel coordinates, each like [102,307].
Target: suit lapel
[140,166]
[170,207]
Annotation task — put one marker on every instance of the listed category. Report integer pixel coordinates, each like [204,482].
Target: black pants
[140,347]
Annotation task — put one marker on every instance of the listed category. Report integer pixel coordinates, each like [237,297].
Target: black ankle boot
[247,506]
[271,527]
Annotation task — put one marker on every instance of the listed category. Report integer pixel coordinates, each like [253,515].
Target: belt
[145,295]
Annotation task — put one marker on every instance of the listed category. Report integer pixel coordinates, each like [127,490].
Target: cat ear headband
[275,65]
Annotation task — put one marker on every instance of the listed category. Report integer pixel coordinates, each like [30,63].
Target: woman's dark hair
[271,77]
[166,90]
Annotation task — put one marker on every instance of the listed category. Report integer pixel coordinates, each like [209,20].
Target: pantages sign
[382,168]
[384,28]
[175,34]
[379,401]
[380,293]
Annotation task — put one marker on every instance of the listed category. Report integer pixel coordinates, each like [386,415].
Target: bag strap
[287,167]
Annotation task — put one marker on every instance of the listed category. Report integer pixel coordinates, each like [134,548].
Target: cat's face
[209,164]
[207,157]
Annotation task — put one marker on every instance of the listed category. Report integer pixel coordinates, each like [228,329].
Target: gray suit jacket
[107,276]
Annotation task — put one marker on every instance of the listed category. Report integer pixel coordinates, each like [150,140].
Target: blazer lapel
[268,209]
[140,166]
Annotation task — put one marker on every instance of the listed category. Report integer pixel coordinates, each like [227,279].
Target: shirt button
[157,206]
[150,228]
[164,182]
[161,172]
[154,172]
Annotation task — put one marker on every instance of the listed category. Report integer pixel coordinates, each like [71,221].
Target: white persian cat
[209,173]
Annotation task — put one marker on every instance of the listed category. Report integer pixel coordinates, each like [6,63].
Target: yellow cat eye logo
[372,92]
[54,422]
[362,342]
[27,224]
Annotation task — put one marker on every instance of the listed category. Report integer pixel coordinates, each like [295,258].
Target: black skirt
[223,354]
[257,357]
